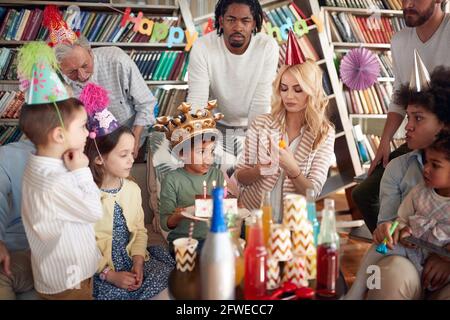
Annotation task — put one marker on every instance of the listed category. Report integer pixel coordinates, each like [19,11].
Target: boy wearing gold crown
[60,200]
[193,138]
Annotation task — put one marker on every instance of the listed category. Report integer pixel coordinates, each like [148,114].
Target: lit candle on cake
[204,189]
[214,184]
[225,191]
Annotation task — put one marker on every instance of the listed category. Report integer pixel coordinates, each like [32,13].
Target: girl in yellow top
[126,270]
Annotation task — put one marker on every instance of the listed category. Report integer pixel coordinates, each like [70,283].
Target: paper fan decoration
[359,69]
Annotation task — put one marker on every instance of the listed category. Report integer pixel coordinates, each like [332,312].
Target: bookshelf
[366,108]
[141,49]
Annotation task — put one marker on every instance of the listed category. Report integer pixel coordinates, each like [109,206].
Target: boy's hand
[5,260]
[404,233]
[382,231]
[75,159]
[138,270]
[121,279]
[175,218]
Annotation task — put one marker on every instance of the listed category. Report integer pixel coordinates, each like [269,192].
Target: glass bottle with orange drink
[239,264]
[255,261]
[267,217]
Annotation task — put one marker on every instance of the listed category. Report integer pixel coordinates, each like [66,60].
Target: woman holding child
[298,118]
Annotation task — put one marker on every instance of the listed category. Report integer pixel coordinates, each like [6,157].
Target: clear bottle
[312,216]
[217,261]
[255,261]
[327,253]
[239,245]
[267,217]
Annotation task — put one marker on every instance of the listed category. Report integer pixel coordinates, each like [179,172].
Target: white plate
[190,211]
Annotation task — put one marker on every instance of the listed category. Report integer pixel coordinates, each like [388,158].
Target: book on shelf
[353,28]
[364,4]
[9,133]
[26,24]
[10,104]
[373,100]
[169,100]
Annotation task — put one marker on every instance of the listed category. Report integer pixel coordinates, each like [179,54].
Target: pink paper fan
[359,69]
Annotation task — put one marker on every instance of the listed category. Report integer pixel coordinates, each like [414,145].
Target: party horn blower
[381,248]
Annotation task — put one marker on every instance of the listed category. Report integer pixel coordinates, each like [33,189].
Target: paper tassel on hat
[272,273]
[294,211]
[294,54]
[295,271]
[420,78]
[280,246]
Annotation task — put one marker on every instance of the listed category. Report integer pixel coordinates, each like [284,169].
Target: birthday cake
[204,206]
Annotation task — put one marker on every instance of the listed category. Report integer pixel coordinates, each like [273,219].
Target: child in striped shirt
[60,202]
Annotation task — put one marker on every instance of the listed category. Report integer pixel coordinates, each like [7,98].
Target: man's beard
[419,19]
[236,43]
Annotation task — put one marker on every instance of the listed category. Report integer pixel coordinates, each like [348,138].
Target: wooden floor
[352,250]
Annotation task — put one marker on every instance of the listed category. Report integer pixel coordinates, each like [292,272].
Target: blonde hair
[309,77]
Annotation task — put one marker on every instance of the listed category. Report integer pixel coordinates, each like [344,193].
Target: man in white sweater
[429,33]
[236,65]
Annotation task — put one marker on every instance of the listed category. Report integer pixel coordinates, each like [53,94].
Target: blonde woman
[290,149]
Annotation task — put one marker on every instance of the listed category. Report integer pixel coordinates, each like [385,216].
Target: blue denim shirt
[13,159]
[400,176]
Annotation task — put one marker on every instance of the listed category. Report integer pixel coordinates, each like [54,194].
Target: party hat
[100,120]
[36,66]
[294,54]
[59,31]
[420,78]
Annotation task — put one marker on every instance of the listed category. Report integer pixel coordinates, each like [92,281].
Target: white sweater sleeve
[198,77]
[260,103]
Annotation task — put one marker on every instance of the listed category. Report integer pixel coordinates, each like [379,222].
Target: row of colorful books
[374,100]
[364,4]
[11,103]
[371,144]
[168,100]
[281,15]
[9,134]
[144,2]
[26,24]
[8,64]
[347,27]
[161,65]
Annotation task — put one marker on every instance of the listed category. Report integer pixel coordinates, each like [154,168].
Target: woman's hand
[138,270]
[121,279]
[436,272]
[286,159]
[382,232]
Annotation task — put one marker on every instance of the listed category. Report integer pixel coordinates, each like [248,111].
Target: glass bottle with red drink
[327,253]
[255,256]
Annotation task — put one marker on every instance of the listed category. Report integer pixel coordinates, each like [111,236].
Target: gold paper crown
[186,125]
